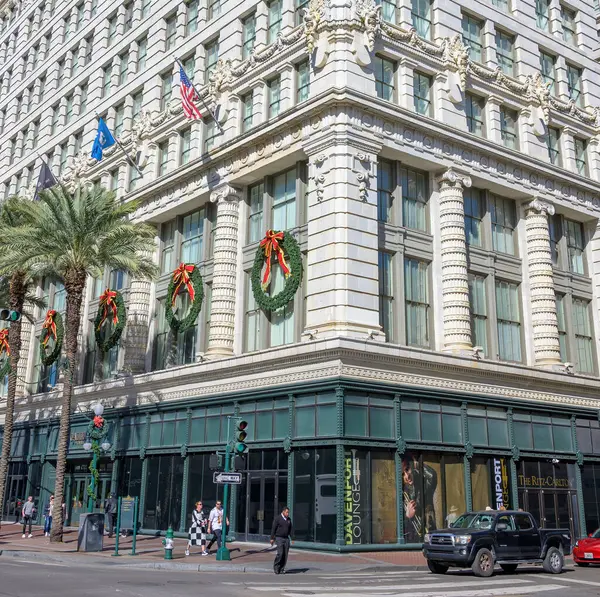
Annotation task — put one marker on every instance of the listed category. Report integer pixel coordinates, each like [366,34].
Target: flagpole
[200,97]
[127,156]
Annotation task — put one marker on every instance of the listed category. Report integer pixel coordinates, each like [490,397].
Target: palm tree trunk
[17,298]
[74,285]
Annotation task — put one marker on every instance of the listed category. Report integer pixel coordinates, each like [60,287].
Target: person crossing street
[281,533]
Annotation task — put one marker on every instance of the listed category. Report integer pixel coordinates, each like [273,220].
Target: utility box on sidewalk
[91,532]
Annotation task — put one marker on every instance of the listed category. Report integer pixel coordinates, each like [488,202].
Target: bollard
[168,544]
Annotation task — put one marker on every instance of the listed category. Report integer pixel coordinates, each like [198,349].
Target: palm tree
[71,237]
[14,293]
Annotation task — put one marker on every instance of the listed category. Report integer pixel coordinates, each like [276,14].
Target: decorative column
[222,314]
[455,281]
[400,450]
[138,322]
[544,319]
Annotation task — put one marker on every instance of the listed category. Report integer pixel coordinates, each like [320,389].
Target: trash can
[91,532]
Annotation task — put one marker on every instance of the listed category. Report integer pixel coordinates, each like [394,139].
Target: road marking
[581,582]
[477,593]
[377,574]
[36,562]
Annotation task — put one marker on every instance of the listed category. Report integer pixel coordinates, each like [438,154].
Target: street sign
[127,509]
[227,478]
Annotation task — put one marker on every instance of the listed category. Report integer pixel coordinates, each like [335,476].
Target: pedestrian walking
[27,513]
[197,531]
[215,525]
[110,509]
[281,533]
[48,516]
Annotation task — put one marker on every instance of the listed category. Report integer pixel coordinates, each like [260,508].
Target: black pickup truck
[480,540]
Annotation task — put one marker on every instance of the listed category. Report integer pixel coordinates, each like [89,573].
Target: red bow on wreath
[269,244]
[98,422]
[50,325]
[107,300]
[181,278]
[4,342]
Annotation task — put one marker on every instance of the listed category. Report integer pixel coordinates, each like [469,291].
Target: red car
[587,551]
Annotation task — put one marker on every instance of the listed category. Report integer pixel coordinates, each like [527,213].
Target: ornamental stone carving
[455,282]
[76,171]
[456,57]
[369,14]
[312,18]
[222,314]
[544,319]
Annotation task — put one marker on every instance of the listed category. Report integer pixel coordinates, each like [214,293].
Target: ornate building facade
[437,164]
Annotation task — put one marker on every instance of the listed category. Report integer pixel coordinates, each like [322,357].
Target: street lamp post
[96,440]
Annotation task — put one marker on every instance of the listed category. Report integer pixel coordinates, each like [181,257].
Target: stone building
[438,165]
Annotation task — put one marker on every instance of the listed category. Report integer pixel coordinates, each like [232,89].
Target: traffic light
[239,447]
[9,315]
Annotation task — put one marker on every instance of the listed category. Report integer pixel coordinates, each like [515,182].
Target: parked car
[587,551]
[480,540]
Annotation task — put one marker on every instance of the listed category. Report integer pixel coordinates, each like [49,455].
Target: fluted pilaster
[222,314]
[24,355]
[455,281]
[137,326]
[544,318]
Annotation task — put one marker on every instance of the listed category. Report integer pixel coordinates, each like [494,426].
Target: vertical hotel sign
[352,499]
[500,492]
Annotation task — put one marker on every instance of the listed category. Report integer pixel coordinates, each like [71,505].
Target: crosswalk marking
[566,578]
[481,592]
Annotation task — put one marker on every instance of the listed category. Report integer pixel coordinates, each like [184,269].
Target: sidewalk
[245,557]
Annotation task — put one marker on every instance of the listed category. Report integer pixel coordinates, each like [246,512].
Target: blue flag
[104,139]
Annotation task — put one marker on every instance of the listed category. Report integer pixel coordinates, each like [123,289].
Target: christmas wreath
[284,247]
[97,431]
[4,347]
[111,304]
[52,328]
[186,276]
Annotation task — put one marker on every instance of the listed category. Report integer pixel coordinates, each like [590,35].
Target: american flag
[188,96]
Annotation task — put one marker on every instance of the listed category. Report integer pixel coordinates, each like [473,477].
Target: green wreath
[291,250]
[103,314]
[49,359]
[195,279]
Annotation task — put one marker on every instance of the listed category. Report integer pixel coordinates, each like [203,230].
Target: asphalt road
[22,578]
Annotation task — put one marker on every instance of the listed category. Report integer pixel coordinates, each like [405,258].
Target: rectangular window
[386,295]
[89,49]
[247,111]
[128,17]
[112,29]
[191,17]
[114,180]
[253,320]
[146,6]
[123,67]
[248,35]
[42,88]
[61,71]
[501,4]
[255,219]
[55,121]
[508,127]
[214,8]
[542,14]
[94,8]
[212,132]
[74,63]
[583,336]
[274,86]
[138,102]
[64,157]
[35,54]
[384,78]
[575,246]
[574,84]
[299,7]
[477,300]
[568,25]
[282,321]
[508,321]
[192,237]
[504,222]
[106,79]
[562,326]
[555,228]
[548,70]
[471,34]
[580,155]
[69,109]
[13,151]
[119,120]
[185,137]
[284,200]
[416,298]
[189,66]
[171,32]
[66,28]
[302,81]
[414,199]
[388,10]
[166,90]
[474,212]
[274,22]
[421,17]
[211,51]
[505,53]
[142,55]
[163,157]
[474,111]
[385,189]
[34,135]
[167,237]
[422,93]
[553,145]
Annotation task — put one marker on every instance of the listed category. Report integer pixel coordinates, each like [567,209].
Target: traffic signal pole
[223,553]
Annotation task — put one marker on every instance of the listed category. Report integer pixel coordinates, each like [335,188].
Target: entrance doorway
[15,490]
[78,495]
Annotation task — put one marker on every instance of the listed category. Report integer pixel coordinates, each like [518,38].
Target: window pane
[416,295]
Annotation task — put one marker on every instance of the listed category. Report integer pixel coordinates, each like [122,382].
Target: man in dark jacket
[281,532]
[110,509]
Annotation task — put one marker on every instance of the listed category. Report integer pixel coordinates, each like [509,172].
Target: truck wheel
[483,565]
[554,561]
[437,568]
[509,568]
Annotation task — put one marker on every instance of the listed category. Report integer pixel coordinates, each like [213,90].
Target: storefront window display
[130,483]
[590,479]
[433,493]
[490,483]
[201,486]
[163,492]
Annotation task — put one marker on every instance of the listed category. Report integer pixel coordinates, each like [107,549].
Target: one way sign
[227,478]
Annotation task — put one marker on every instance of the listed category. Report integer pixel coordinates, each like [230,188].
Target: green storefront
[361,467]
